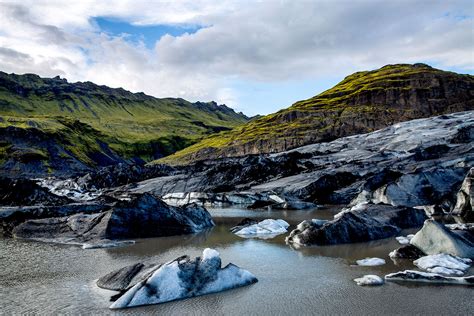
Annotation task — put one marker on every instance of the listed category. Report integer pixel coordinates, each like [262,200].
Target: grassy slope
[320,114]
[79,115]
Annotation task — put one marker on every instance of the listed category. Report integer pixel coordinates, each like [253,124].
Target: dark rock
[465,198]
[121,279]
[10,217]
[142,216]
[23,192]
[364,223]
[407,252]
[261,204]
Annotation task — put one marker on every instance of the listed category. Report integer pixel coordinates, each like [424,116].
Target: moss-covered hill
[362,102]
[51,126]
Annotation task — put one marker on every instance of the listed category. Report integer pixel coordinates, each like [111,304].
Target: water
[40,278]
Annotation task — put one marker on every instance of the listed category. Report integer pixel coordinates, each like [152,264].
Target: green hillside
[362,102]
[50,123]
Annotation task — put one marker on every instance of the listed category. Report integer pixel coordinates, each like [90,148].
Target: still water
[38,278]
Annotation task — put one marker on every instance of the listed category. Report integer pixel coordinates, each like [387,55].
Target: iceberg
[265,228]
[370,262]
[177,279]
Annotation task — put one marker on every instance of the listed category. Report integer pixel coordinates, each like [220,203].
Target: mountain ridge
[47,124]
[362,102]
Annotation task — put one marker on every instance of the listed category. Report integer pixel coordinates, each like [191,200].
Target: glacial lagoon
[41,278]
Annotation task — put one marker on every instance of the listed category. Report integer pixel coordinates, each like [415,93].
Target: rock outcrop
[24,192]
[416,163]
[435,238]
[364,223]
[362,102]
[406,252]
[177,279]
[465,198]
[142,216]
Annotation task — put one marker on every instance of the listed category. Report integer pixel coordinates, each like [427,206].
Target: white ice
[404,240]
[370,262]
[265,227]
[369,279]
[209,253]
[443,263]
[168,284]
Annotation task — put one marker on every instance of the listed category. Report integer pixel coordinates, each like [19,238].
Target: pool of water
[41,278]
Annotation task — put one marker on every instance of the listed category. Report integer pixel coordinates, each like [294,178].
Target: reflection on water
[45,278]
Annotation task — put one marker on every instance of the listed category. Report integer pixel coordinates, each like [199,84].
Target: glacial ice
[185,278]
[370,262]
[369,279]
[444,264]
[264,228]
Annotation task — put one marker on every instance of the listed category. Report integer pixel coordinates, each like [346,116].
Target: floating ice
[404,240]
[266,227]
[184,278]
[371,262]
[444,264]
[369,279]
[418,276]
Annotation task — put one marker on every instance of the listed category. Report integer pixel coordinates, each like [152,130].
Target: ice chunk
[443,263]
[369,279]
[371,262]
[263,228]
[184,278]
[418,276]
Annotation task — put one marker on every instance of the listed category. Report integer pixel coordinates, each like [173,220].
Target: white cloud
[265,41]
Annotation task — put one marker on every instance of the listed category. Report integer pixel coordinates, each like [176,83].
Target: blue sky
[255,56]
[148,34]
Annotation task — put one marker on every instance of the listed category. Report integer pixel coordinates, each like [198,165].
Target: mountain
[48,125]
[363,102]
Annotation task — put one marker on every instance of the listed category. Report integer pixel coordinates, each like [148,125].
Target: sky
[255,56]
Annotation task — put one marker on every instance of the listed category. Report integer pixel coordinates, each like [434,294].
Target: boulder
[435,238]
[24,192]
[141,216]
[418,276]
[430,188]
[465,197]
[177,279]
[406,252]
[361,223]
[10,217]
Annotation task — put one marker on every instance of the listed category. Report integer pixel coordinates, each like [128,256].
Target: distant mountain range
[50,126]
[362,102]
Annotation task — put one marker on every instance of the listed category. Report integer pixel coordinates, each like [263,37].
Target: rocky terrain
[363,102]
[415,174]
[421,163]
[389,179]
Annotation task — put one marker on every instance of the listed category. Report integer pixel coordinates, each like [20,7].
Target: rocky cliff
[362,102]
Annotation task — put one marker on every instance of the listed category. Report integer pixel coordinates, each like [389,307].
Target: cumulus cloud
[265,41]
